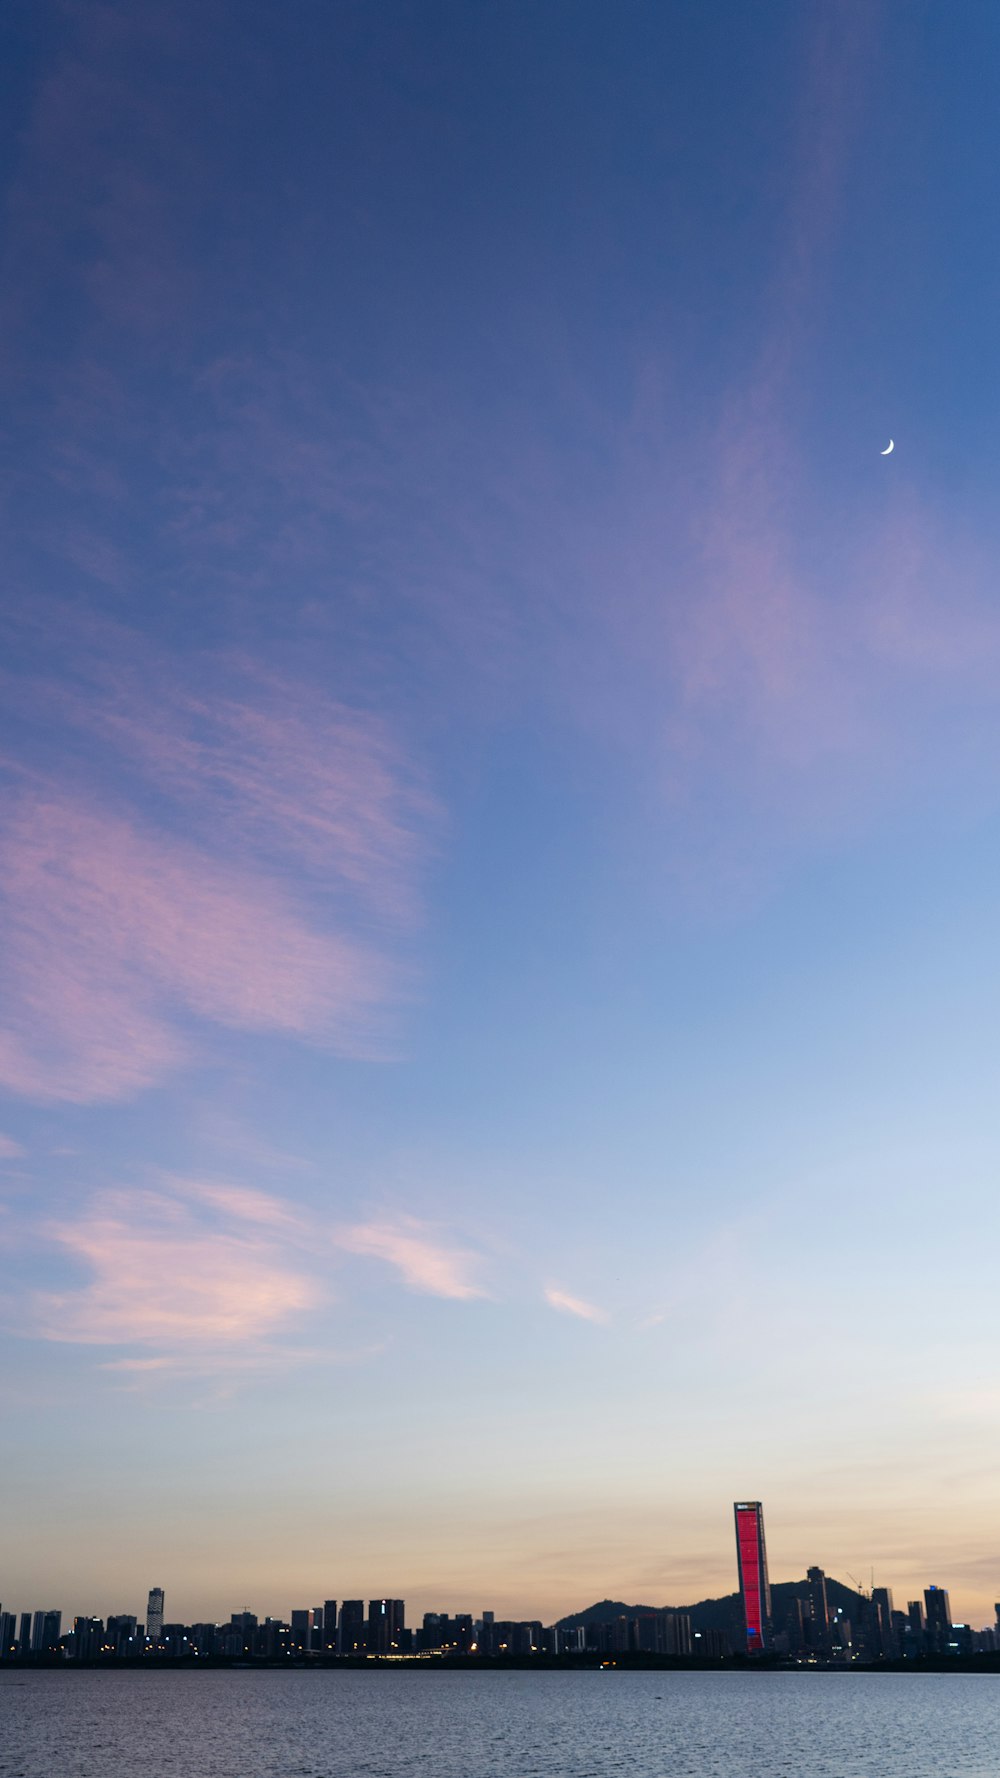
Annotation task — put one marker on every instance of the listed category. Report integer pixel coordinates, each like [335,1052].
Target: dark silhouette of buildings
[352,1627]
[811,1620]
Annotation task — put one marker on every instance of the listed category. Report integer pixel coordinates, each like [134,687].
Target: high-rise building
[915,1634]
[24,1638]
[154,1614]
[662,1633]
[302,1629]
[755,1589]
[352,1627]
[795,1625]
[385,1625]
[122,1634]
[330,1626]
[8,1635]
[245,1622]
[938,1618]
[88,1637]
[882,1603]
[46,1630]
[819,1608]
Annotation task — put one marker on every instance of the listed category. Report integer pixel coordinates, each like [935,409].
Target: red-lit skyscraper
[755,1590]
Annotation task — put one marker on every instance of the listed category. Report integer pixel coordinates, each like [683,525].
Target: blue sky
[498,775]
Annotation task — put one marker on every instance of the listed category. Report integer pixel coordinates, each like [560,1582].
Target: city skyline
[498,797]
[810,1626]
[752,1595]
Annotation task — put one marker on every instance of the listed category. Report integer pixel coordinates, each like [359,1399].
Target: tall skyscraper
[330,1626]
[819,1610]
[302,1629]
[352,1627]
[882,1603]
[938,1618]
[154,1614]
[755,1589]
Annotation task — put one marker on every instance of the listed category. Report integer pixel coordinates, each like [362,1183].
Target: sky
[498,800]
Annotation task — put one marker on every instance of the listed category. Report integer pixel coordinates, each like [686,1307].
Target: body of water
[513,1724]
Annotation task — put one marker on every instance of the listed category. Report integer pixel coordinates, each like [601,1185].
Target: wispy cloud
[162,1275]
[9,1149]
[574,1305]
[251,860]
[245,1204]
[192,1276]
[424,1262]
[113,932]
[274,767]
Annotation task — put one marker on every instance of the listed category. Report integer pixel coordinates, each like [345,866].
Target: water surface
[515,1724]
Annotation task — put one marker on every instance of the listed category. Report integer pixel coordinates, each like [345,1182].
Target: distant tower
[755,1590]
[154,1614]
[819,1628]
[882,1604]
[938,1618]
[352,1627]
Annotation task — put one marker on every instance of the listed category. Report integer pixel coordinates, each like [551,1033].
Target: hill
[720,1614]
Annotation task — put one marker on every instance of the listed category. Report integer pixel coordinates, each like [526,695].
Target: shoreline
[423,1663]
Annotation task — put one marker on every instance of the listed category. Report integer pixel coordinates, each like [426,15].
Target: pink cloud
[276,768]
[574,1305]
[424,1263]
[243,1203]
[252,862]
[9,1149]
[116,936]
[196,1276]
[162,1276]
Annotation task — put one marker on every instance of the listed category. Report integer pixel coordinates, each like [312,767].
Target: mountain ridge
[718,1614]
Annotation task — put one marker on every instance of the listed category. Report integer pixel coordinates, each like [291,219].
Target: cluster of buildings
[348,1629]
[807,1626]
[813,1621]
[351,1628]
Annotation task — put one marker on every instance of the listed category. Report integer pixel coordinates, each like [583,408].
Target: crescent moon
[891,446]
